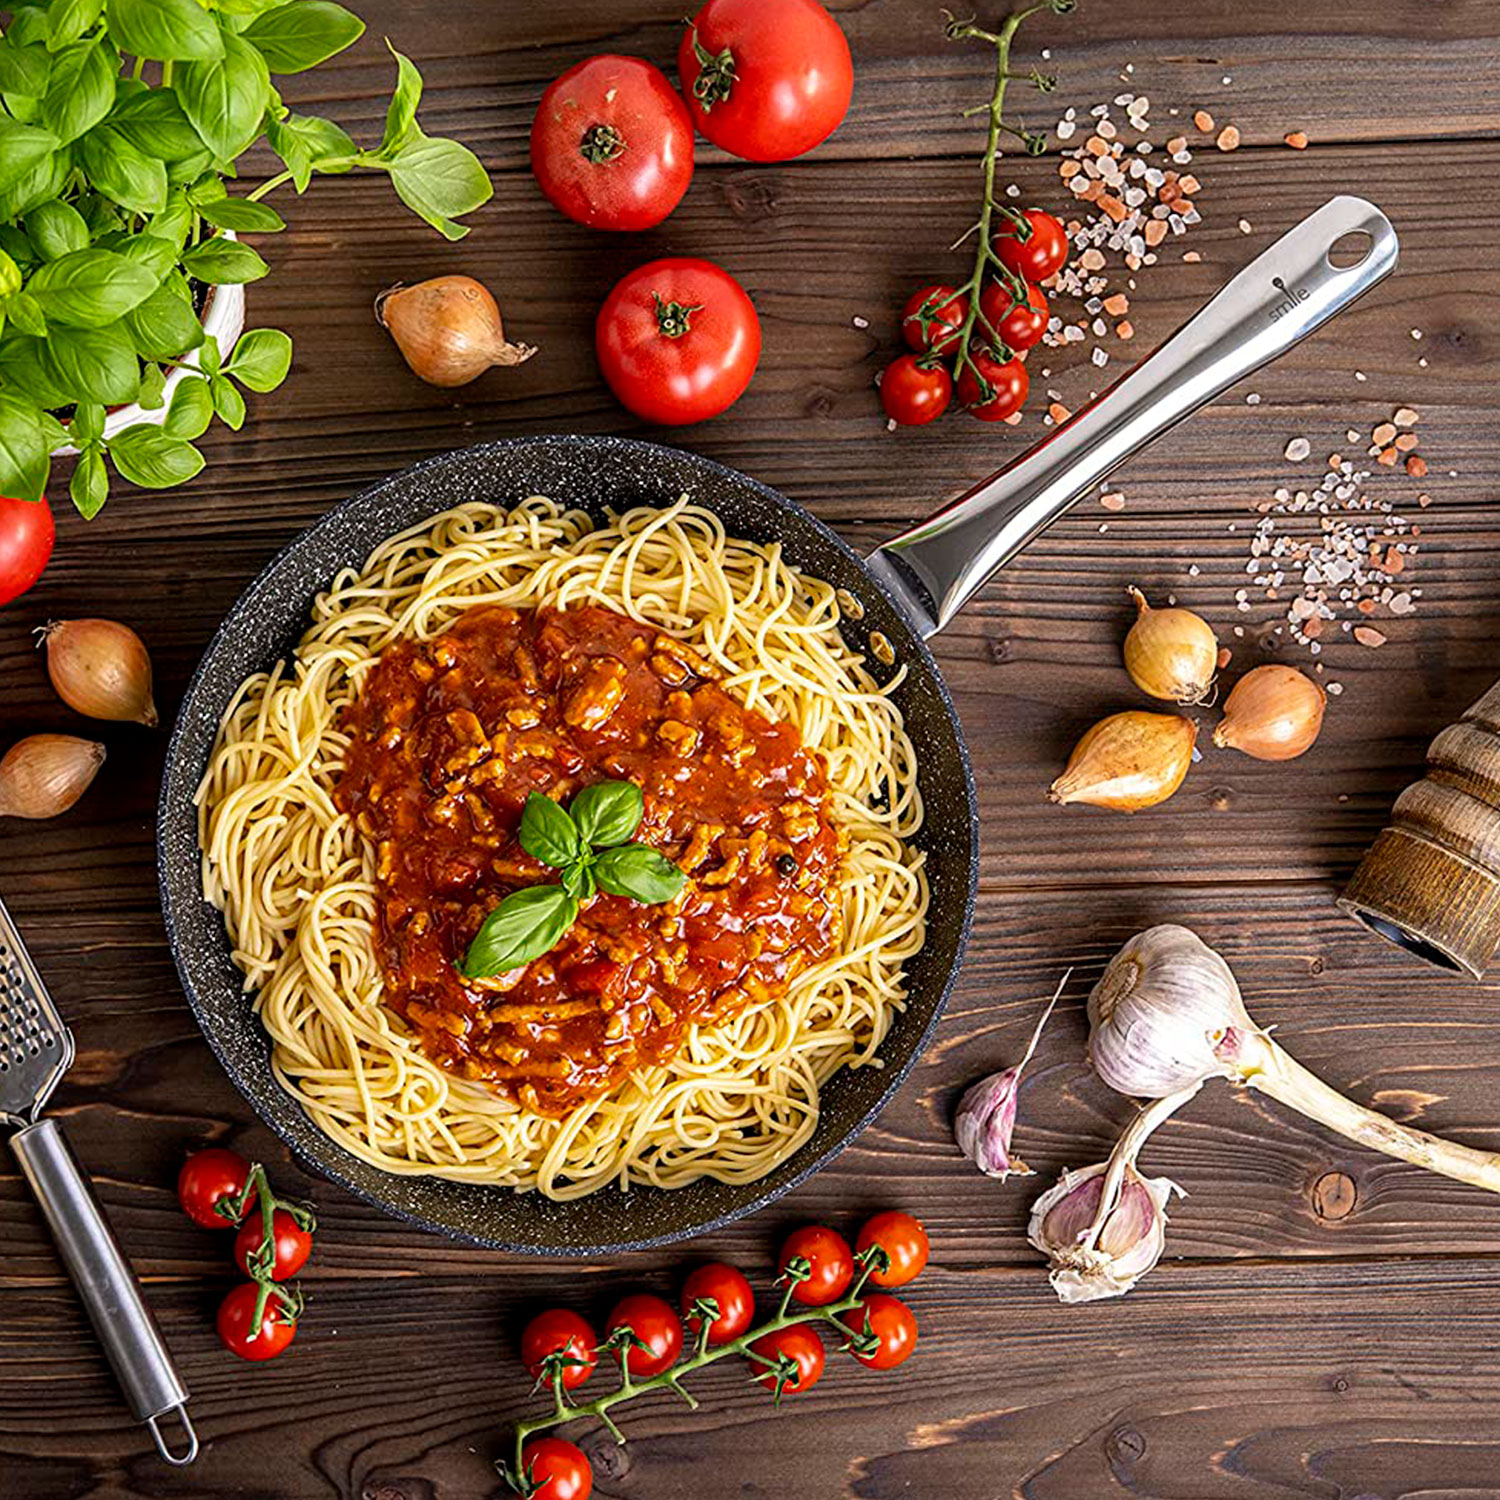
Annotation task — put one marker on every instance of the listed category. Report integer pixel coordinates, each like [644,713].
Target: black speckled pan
[592,473]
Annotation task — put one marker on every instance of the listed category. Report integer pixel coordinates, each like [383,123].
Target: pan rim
[322,1153]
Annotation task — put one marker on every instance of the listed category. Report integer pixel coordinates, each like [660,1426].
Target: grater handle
[104,1280]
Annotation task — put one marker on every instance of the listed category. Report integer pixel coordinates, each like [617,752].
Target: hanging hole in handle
[177,1460]
[1350,250]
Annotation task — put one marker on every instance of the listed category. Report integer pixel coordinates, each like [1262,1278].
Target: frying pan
[910,588]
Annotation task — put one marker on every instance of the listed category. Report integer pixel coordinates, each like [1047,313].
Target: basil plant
[121,123]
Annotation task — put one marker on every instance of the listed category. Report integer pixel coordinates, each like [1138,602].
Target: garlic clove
[1128,761]
[45,774]
[1171,653]
[100,669]
[1272,713]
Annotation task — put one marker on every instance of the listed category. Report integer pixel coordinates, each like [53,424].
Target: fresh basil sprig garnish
[588,844]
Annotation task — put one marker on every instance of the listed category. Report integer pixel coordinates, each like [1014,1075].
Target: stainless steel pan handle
[1275,302]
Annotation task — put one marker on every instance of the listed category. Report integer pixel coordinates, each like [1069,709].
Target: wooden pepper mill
[1431,881]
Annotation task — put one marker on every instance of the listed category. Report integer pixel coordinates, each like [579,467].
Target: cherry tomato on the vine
[557,1469]
[913,393]
[277,1327]
[802,1344]
[1008,385]
[612,143]
[1043,251]
[1018,325]
[656,1325]
[678,340]
[26,538]
[831,1260]
[730,1291]
[560,1331]
[291,1244]
[905,1243]
[206,1178]
[765,79]
[891,1322]
[932,318]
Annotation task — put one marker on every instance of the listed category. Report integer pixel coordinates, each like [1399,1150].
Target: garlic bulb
[1128,761]
[986,1114]
[1170,653]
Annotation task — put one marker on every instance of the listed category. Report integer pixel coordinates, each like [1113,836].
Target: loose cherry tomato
[559,1331]
[729,1289]
[678,341]
[831,1259]
[892,1323]
[208,1177]
[915,394]
[612,144]
[556,1469]
[1019,325]
[1008,385]
[656,1325]
[932,317]
[236,1314]
[765,79]
[802,1344]
[291,1244]
[905,1243]
[26,538]
[1043,251]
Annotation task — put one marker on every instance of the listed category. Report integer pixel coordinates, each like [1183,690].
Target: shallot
[448,329]
[1128,761]
[1273,713]
[1171,653]
[45,774]
[100,669]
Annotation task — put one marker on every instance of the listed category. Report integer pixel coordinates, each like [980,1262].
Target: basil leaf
[24,70]
[89,486]
[153,388]
[28,24]
[401,114]
[176,30]
[154,459]
[67,20]
[608,812]
[151,253]
[174,223]
[242,216]
[153,122]
[56,229]
[14,242]
[228,402]
[23,148]
[439,180]
[89,288]
[192,409]
[578,880]
[226,97]
[640,872]
[208,355]
[124,175]
[306,143]
[523,927]
[221,262]
[23,373]
[92,364]
[47,179]
[261,359]
[87,425]
[81,90]
[548,833]
[26,315]
[293,38]
[25,454]
[98,213]
[164,326]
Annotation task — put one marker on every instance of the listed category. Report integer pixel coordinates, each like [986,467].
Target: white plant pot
[223,319]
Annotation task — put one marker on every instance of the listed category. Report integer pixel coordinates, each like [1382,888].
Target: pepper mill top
[1431,881]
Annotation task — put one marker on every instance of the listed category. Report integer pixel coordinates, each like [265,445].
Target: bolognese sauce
[448,737]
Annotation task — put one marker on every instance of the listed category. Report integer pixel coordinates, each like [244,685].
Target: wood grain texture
[1322,1324]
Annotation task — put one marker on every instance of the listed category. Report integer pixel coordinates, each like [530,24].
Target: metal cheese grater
[36,1049]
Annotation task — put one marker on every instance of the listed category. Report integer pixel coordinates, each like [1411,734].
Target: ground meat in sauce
[448,737]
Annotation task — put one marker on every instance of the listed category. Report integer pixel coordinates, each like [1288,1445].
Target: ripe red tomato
[765,79]
[206,1178]
[559,1331]
[893,1325]
[1008,385]
[729,1289]
[905,1243]
[276,1330]
[291,1244]
[1019,325]
[802,1344]
[678,341]
[26,537]
[831,1259]
[913,394]
[656,1325]
[556,1469]
[1040,254]
[932,317]
[612,144]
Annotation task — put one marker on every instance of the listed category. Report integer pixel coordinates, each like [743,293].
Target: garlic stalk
[1167,1014]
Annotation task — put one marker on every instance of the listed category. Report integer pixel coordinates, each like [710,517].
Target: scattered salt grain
[1298,449]
[861,322]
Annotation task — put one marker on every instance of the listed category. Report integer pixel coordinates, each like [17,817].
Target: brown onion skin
[100,669]
[448,329]
[45,774]
[1128,761]
[1170,653]
[1272,713]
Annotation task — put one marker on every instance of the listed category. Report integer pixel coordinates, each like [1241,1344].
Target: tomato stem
[716,76]
[601,143]
[673,319]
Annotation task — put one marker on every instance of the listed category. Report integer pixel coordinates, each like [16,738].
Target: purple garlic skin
[985,1120]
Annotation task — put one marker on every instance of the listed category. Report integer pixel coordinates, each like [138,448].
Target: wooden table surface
[1325,1322]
